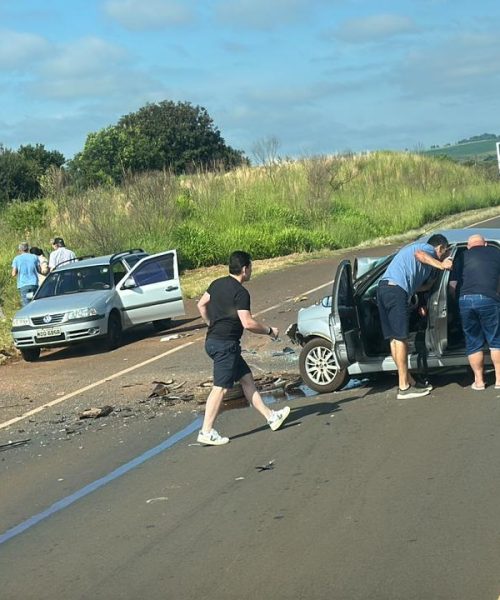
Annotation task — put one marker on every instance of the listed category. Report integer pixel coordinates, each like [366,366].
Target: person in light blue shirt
[407,273]
[25,267]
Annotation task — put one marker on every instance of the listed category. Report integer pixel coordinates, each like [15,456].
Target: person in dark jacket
[478,279]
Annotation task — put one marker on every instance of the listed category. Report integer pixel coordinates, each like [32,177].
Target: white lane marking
[479,223]
[91,386]
[261,312]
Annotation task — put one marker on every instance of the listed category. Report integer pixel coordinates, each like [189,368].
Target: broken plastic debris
[95,413]
[174,336]
[268,467]
[153,500]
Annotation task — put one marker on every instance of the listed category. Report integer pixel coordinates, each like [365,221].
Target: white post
[498,156]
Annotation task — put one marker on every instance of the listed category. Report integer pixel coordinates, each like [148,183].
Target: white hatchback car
[96,298]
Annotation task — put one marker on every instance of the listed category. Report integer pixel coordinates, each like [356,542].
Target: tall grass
[278,209]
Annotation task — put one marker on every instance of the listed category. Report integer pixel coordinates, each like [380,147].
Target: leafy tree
[21,170]
[110,154]
[178,136]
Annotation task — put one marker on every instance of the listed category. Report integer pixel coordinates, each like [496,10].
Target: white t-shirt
[60,255]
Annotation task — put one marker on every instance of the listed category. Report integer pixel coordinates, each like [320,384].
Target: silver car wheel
[318,367]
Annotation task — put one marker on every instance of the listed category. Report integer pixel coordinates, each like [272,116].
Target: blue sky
[320,76]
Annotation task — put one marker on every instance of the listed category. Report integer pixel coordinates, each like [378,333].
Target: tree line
[174,136]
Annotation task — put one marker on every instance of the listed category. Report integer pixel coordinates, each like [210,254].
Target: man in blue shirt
[408,273]
[25,267]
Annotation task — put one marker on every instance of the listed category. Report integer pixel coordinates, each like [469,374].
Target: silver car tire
[318,368]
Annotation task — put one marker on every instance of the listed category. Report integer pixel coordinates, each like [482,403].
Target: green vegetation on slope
[274,210]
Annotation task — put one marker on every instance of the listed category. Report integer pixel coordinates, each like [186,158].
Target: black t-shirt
[227,296]
[479,271]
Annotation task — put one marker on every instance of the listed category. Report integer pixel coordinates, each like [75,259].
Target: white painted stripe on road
[98,483]
[91,386]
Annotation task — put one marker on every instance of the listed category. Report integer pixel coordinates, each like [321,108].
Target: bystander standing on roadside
[59,253]
[43,263]
[225,308]
[477,276]
[409,272]
[25,267]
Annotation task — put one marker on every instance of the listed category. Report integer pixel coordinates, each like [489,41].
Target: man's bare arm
[427,259]
[202,305]
[250,324]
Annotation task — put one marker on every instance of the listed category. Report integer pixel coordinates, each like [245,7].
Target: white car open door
[151,291]
[344,321]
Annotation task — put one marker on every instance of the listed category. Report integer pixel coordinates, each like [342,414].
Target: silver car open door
[151,290]
[437,329]
[344,321]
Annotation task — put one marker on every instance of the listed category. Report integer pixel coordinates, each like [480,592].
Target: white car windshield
[73,281]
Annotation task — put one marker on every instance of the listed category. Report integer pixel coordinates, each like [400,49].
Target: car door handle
[171,288]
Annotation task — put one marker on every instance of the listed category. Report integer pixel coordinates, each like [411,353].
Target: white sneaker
[278,418]
[212,438]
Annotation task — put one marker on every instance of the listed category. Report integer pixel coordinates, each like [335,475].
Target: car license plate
[50,332]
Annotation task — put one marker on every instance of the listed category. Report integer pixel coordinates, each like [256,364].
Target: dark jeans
[481,322]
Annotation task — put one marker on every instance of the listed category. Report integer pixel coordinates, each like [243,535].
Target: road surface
[358,496]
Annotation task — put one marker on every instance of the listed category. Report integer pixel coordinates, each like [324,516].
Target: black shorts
[394,311]
[229,366]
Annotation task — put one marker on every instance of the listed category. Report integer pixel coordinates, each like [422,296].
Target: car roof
[457,236]
[92,261]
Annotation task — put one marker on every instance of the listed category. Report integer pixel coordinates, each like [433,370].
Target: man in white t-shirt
[59,253]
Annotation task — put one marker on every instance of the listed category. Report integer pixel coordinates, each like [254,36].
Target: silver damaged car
[341,334]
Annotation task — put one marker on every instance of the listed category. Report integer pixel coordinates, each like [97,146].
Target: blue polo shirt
[408,272]
[27,271]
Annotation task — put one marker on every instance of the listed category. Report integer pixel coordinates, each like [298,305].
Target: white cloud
[262,14]
[374,28]
[140,15]
[20,50]
[466,64]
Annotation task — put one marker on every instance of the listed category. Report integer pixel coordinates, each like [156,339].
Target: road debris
[159,499]
[14,444]
[268,467]
[174,336]
[96,413]
[301,298]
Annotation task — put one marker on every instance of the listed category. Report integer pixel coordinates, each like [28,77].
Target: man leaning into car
[408,272]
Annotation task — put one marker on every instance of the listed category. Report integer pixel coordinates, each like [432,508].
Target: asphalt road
[361,495]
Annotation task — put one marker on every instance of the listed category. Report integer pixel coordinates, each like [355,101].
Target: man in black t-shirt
[225,308]
[478,278]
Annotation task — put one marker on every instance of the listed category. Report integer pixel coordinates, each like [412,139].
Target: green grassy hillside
[478,150]
[279,209]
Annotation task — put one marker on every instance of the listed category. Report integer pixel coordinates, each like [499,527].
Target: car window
[132,259]
[155,271]
[119,271]
[71,281]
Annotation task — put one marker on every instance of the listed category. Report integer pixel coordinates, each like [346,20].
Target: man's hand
[274,331]
[447,264]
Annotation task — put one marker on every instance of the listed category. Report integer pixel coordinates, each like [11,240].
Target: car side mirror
[129,283]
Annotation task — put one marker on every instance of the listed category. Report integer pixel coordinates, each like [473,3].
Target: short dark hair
[238,260]
[37,251]
[57,241]
[437,239]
